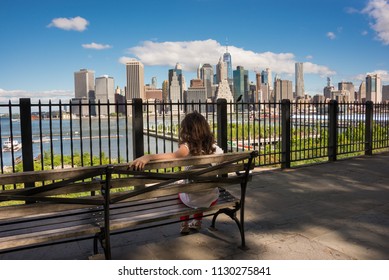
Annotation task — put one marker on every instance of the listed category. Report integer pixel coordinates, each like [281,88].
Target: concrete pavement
[328,211]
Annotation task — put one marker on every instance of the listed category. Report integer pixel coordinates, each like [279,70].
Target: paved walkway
[329,211]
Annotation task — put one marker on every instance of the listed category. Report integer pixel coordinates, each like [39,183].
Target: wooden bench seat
[97,202]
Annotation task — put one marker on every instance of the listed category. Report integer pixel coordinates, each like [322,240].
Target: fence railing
[58,135]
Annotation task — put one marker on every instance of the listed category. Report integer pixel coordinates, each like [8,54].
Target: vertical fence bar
[26,135]
[333,130]
[137,128]
[285,129]
[221,108]
[369,128]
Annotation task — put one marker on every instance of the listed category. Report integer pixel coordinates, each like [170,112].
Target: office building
[105,92]
[283,89]
[362,92]
[349,89]
[177,72]
[228,60]
[223,90]
[206,74]
[327,91]
[84,84]
[385,93]
[175,88]
[221,71]
[299,77]
[373,88]
[135,80]
[196,93]
[241,84]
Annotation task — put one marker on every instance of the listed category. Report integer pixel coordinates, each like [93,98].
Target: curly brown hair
[196,133]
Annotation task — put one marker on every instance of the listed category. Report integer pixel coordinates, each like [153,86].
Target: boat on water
[9,145]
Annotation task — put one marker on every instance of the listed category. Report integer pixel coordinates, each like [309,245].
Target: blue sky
[43,42]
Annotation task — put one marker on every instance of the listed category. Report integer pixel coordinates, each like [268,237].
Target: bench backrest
[89,186]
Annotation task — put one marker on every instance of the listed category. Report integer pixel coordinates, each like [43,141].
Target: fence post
[137,128]
[332,130]
[26,135]
[369,128]
[286,143]
[221,109]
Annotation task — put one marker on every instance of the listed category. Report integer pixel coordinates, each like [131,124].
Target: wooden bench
[100,201]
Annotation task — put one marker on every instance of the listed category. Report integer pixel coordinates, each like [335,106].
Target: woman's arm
[139,163]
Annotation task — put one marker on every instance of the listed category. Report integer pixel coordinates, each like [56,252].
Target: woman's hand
[139,163]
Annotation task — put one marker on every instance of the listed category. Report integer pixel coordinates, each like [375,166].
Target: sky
[43,42]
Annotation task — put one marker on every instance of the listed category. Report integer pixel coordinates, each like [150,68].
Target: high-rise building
[258,94]
[135,80]
[385,93]
[221,71]
[175,88]
[206,74]
[241,83]
[165,90]
[299,76]
[178,73]
[348,87]
[154,82]
[84,84]
[373,88]
[228,60]
[327,91]
[283,89]
[362,92]
[105,91]
[196,93]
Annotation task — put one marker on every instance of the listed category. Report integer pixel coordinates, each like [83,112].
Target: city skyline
[47,42]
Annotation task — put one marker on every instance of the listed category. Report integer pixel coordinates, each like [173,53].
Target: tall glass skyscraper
[227,59]
[241,83]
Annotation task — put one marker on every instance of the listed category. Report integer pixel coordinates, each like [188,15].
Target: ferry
[8,145]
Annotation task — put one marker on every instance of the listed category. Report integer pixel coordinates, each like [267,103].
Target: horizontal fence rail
[37,136]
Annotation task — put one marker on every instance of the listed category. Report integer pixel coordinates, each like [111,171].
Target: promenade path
[327,211]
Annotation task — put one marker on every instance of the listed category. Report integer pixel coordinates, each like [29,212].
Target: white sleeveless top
[202,199]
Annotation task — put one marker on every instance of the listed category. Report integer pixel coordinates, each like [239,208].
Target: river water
[111,136]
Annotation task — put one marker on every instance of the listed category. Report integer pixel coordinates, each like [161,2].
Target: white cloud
[44,96]
[76,23]
[96,46]
[125,59]
[384,74]
[331,35]
[379,11]
[191,53]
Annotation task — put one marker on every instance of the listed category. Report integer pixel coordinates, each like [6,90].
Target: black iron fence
[38,136]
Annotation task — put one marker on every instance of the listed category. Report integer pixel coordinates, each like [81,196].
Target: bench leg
[104,242]
[232,214]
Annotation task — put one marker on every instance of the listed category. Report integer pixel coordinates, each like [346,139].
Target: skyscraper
[84,84]
[135,80]
[241,83]
[227,59]
[348,87]
[206,74]
[373,88]
[299,76]
[283,89]
[105,91]
[178,72]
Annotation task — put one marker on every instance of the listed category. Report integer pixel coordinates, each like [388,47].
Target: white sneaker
[195,224]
